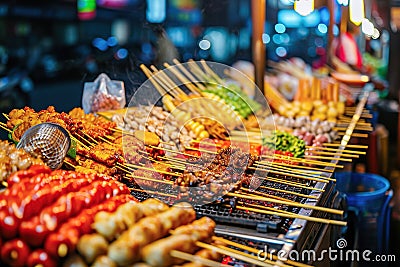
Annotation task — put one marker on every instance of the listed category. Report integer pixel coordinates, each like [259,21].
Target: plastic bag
[103,94]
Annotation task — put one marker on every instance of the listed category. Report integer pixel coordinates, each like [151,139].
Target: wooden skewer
[153,192]
[244,254]
[175,166]
[82,138]
[299,167]
[5,128]
[349,146]
[149,75]
[122,169]
[328,158]
[150,169]
[302,160]
[196,259]
[200,149]
[360,135]
[79,142]
[170,82]
[277,190]
[172,151]
[289,171]
[150,179]
[256,251]
[288,192]
[280,167]
[69,164]
[295,204]
[210,72]
[183,79]
[189,75]
[91,138]
[333,154]
[324,180]
[262,194]
[343,151]
[106,141]
[6,116]
[196,70]
[169,87]
[233,254]
[4,183]
[294,216]
[359,128]
[206,143]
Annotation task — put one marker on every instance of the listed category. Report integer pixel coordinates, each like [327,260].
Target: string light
[304,7]
[356,11]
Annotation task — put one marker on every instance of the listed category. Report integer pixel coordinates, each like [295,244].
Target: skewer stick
[196,70]
[5,128]
[183,79]
[360,135]
[82,138]
[172,151]
[4,183]
[206,143]
[149,75]
[6,116]
[152,192]
[255,251]
[294,216]
[333,154]
[267,261]
[288,192]
[288,170]
[328,158]
[324,180]
[69,164]
[196,259]
[189,75]
[277,190]
[79,142]
[343,151]
[168,85]
[279,167]
[302,160]
[180,167]
[150,169]
[359,128]
[150,179]
[295,204]
[169,81]
[262,194]
[291,183]
[91,138]
[233,254]
[210,72]
[200,149]
[106,141]
[297,166]
[349,146]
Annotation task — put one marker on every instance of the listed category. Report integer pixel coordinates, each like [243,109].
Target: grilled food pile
[76,123]
[48,217]
[13,159]
[156,120]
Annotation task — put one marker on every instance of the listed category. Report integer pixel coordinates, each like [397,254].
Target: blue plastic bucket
[367,195]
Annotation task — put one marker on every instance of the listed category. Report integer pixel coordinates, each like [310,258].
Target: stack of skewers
[235,181]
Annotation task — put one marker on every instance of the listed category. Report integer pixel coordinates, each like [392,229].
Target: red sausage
[64,241]
[40,257]
[15,253]
[33,170]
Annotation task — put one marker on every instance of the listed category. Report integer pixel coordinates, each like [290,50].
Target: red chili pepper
[15,253]
[40,257]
